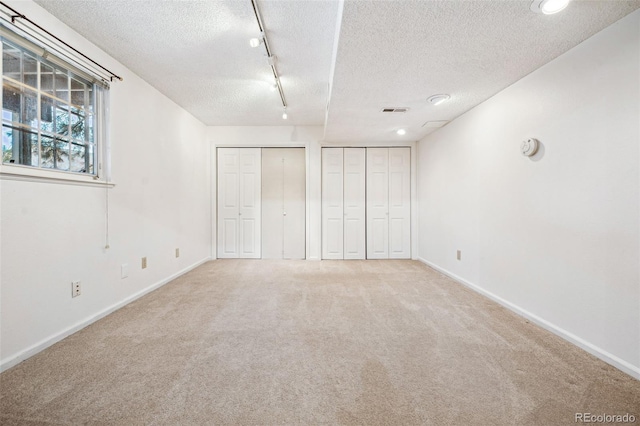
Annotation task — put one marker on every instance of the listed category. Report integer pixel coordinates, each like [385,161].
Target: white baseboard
[620,364]
[5,364]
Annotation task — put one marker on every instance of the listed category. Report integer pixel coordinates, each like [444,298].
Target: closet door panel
[294,200]
[272,204]
[228,238]
[228,202]
[250,196]
[332,203]
[354,203]
[377,203]
[249,244]
[399,203]
[378,239]
[283,203]
[352,235]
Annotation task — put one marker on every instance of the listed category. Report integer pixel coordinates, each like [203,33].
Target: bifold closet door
[239,198]
[388,203]
[399,203]
[295,192]
[283,203]
[354,203]
[332,203]
[377,203]
[343,203]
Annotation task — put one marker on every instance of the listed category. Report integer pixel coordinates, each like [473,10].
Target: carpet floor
[256,342]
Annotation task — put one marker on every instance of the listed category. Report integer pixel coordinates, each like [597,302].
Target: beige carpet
[254,342]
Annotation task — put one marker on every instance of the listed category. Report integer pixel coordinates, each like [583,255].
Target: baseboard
[620,364]
[42,345]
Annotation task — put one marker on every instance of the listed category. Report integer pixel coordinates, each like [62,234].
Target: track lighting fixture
[270,56]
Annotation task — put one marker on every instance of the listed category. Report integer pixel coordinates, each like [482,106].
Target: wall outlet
[124,270]
[177,252]
[75,289]
[459,255]
[144,263]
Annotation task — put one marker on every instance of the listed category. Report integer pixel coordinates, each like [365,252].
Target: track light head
[256,41]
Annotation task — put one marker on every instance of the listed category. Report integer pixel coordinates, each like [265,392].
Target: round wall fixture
[529,147]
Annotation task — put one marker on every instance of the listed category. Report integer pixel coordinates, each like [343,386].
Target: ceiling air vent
[395,109]
[434,124]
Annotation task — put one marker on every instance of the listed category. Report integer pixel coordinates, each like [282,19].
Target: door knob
[284,213]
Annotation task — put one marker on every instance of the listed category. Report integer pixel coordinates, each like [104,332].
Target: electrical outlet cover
[75,289]
[124,270]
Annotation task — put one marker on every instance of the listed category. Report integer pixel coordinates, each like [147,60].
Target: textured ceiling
[397,54]
[198,54]
[388,54]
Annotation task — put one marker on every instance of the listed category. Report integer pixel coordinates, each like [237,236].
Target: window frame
[91,111]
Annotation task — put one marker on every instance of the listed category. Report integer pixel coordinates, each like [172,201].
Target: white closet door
[272,204]
[249,212]
[377,203]
[239,202]
[228,203]
[283,203]
[354,203]
[332,203]
[399,203]
[294,200]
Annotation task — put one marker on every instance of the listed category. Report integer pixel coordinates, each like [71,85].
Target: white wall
[555,237]
[309,137]
[53,234]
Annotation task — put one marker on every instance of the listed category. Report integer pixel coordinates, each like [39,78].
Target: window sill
[30,174]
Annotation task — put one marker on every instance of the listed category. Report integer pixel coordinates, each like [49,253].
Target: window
[48,113]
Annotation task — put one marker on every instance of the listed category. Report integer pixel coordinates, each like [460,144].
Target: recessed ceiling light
[549,7]
[438,99]
[284,114]
[401,132]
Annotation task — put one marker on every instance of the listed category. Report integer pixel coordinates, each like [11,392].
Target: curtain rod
[17,14]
